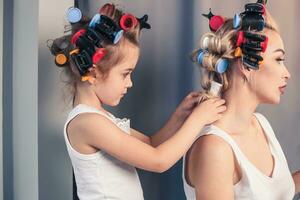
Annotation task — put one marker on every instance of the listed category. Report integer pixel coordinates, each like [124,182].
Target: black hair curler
[255,36]
[60,48]
[252,55]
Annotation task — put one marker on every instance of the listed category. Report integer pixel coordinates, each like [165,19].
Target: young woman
[238,157]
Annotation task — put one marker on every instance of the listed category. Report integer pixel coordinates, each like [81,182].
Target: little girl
[103,149]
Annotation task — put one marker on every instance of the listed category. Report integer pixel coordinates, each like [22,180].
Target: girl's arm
[210,169]
[173,124]
[104,135]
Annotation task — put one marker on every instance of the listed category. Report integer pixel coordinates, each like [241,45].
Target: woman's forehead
[275,42]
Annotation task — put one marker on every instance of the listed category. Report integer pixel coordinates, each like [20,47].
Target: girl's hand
[186,107]
[209,110]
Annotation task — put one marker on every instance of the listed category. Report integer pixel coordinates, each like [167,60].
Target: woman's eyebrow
[280,50]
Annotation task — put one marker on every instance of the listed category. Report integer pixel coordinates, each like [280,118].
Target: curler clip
[215,21]
[93,36]
[82,61]
[237,20]
[238,52]
[143,22]
[108,29]
[264,2]
[255,8]
[250,63]
[215,88]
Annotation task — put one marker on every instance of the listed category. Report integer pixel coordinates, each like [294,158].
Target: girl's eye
[126,74]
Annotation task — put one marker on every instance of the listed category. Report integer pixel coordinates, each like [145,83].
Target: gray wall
[55,172]
[1,115]
[35,161]
[25,99]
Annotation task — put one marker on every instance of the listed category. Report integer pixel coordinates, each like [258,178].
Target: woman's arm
[210,168]
[296,177]
[104,135]
[173,124]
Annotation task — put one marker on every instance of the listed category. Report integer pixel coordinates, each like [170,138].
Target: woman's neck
[241,104]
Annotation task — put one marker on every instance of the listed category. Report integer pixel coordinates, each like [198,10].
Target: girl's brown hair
[114,52]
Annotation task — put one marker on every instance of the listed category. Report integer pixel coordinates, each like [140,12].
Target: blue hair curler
[74,15]
[118,35]
[200,56]
[236,21]
[95,20]
[222,65]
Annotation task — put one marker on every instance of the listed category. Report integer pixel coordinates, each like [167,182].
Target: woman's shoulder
[212,147]
[210,156]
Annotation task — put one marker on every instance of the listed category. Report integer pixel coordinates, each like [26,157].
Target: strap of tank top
[87,109]
[266,127]
[214,130]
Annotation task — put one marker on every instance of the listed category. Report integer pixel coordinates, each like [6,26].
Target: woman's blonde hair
[222,44]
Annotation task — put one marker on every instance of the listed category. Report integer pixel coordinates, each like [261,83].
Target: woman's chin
[273,101]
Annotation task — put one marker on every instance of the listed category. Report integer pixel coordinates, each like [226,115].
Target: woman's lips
[282,88]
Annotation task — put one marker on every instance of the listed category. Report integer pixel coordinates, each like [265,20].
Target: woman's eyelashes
[280,60]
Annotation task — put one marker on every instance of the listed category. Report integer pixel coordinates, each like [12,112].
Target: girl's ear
[91,75]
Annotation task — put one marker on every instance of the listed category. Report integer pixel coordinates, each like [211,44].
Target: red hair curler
[240,39]
[264,44]
[128,21]
[216,22]
[77,35]
[98,55]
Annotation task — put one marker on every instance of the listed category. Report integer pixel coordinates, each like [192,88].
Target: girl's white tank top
[100,176]
[254,185]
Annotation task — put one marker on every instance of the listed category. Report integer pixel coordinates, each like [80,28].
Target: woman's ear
[245,72]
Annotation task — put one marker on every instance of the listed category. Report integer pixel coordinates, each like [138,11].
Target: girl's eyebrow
[128,69]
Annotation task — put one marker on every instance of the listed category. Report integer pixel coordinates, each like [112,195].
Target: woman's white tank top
[254,185]
[100,176]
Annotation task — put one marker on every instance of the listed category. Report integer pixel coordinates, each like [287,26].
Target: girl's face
[268,83]
[111,89]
